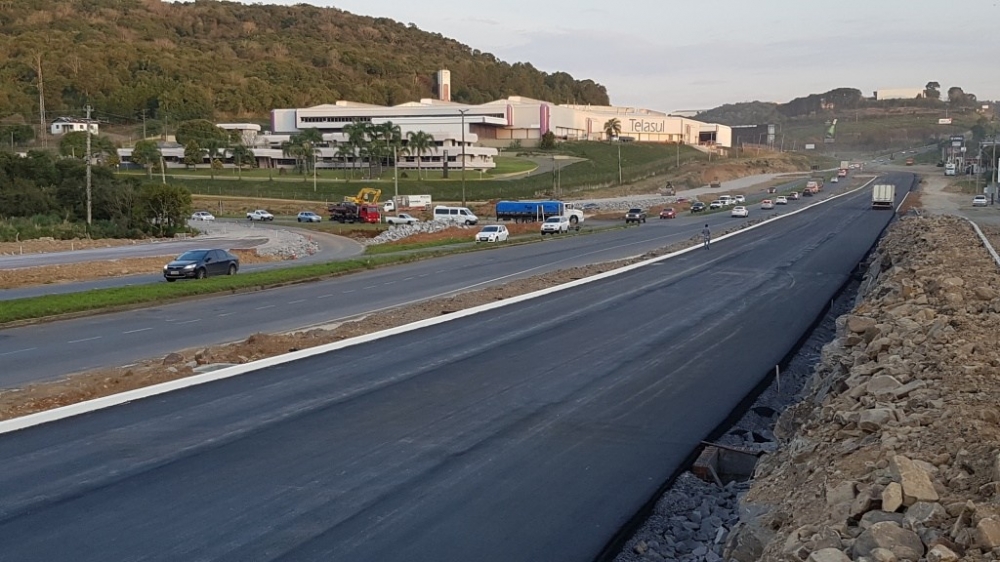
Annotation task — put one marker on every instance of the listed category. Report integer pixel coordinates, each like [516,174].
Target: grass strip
[118,297]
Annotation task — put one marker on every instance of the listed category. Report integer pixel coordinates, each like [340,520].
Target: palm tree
[418,143]
[612,128]
[242,153]
[344,151]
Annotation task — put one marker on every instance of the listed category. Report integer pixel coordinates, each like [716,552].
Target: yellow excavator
[367,196]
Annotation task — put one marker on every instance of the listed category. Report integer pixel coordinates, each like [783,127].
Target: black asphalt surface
[48,351]
[532,432]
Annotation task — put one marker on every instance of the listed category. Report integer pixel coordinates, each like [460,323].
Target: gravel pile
[280,243]
[400,231]
[618,204]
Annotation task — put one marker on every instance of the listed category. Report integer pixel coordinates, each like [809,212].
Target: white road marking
[85,339]
[297,302]
[423,275]
[388,283]
[226,314]
[326,296]
[368,287]
[407,278]
[189,321]
[137,331]
[351,291]
[266,306]
[18,351]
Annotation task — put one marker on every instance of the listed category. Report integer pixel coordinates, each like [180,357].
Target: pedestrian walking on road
[706,236]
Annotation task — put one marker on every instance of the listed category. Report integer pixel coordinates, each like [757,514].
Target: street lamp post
[314,169]
[463,112]
[619,162]
[395,171]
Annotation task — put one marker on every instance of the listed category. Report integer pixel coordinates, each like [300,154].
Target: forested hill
[210,59]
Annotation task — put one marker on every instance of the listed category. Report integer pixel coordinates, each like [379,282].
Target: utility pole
[87,125]
[143,124]
[678,153]
[314,167]
[395,171]
[463,111]
[41,102]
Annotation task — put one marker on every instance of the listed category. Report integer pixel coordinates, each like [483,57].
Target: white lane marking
[326,296]
[137,331]
[225,314]
[351,291]
[368,287]
[423,275]
[85,339]
[265,307]
[407,278]
[189,321]
[297,302]
[18,351]
[388,283]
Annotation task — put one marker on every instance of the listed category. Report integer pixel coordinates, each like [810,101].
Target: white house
[64,125]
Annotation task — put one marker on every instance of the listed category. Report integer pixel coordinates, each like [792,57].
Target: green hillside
[225,60]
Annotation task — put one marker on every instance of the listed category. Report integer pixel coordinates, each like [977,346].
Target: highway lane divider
[96,404]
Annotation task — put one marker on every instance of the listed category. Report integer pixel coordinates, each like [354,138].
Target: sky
[672,55]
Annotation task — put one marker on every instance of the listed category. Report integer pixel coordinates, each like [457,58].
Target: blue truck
[530,211]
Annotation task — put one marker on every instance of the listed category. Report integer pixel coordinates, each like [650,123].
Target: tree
[242,153]
[74,145]
[194,154]
[215,147]
[200,130]
[612,128]
[344,151]
[303,147]
[146,154]
[165,206]
[16,134]
[418,143]
[932,91]
[548,141]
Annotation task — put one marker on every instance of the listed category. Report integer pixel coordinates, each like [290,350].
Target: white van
[455,214]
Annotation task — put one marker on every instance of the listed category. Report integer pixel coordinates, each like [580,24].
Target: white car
[203,216]
[493,233]
[834,179]
[740,211]
[260,215]
[766,204]
[717,204]
[308,216]
[555,225]
[740,199]
[781,200]
[980,201]
[402,218]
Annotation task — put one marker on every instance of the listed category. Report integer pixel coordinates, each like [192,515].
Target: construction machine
[367,196]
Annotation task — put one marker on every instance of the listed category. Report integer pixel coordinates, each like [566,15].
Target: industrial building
[463,133]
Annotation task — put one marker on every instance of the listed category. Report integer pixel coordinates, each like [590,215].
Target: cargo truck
[949,169]
[410,202]
[530,211]
[352,212]
[883,196]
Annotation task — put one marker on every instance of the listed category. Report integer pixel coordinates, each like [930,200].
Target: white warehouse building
[462,133]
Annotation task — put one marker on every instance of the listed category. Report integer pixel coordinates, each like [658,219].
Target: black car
[199,264]
[697,207]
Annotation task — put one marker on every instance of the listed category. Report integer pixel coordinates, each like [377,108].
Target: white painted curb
[986,242]
[125,397]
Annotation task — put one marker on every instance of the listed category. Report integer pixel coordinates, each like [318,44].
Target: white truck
[260,215]
[883,196]
[949,169]
[400,202]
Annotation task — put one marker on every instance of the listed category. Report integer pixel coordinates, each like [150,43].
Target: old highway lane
[51,350]
[530,432]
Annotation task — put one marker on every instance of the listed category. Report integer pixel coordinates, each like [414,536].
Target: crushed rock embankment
[894,454]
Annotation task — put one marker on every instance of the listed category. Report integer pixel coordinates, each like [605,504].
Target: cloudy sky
[670,55]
